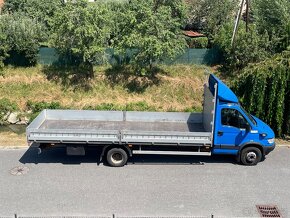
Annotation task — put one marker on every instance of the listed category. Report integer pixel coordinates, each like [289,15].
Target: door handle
[220,133]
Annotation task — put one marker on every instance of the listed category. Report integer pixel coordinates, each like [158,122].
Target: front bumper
[268,149]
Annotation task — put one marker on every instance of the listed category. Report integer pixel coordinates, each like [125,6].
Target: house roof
[190,33]
[1,3]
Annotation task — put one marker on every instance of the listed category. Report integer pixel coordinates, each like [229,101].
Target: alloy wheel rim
[117,158]
[251,156]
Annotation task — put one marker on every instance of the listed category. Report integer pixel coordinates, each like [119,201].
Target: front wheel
[251,156]
[117,157]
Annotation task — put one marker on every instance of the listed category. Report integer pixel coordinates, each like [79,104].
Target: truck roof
[224,93]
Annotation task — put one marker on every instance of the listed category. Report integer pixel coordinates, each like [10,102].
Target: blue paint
[225,151]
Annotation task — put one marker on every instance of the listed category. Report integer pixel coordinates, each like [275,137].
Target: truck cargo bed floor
[122,125]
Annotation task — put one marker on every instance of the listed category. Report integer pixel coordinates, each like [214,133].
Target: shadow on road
[58,155]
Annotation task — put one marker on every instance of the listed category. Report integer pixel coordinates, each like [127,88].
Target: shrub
[6,106]
[39,106]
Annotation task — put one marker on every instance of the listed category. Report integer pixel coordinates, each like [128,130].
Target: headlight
[271,141]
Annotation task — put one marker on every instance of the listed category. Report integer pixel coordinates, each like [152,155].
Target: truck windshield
[249,116]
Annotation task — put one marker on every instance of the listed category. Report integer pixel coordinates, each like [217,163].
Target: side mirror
[248,128]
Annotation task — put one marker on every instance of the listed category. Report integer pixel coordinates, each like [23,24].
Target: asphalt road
[149,186]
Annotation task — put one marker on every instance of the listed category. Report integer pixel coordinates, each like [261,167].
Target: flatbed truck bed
[174,133]
[119,127]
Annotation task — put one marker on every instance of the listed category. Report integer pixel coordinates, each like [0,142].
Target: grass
[174,88]
[12,139]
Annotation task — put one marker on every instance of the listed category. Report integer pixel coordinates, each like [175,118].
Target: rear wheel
[117,157]
[251,156]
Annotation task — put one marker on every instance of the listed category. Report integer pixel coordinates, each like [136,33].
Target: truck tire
[250,156]
[117,157]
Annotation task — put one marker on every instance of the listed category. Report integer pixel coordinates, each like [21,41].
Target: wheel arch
[250,144]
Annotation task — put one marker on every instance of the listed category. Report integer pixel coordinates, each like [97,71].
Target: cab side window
[232,117]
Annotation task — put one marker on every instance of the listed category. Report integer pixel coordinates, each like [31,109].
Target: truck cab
[237,132]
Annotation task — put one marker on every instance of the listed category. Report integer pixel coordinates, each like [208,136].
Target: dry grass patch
[177,88]
[12,139]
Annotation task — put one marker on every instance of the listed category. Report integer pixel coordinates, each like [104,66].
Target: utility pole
[247,15]
[237,22]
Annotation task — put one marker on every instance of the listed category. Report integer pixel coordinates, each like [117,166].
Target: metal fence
[49,56]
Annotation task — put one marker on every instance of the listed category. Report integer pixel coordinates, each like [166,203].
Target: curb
[13,147]
[283,145]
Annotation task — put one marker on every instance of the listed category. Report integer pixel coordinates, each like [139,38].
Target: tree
[4,47]
[273,17]
[208,16]
[82,30]
[249,47]
[178,8]
[40,11]
[22,37]
[152,30]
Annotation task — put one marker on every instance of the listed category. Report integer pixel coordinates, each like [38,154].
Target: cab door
[233,128]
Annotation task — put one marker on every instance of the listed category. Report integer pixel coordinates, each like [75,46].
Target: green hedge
[264,91]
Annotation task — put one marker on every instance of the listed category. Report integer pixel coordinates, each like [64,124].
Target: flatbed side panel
[163,117]
[169,133]
[74,136]
[75,131]
[124,116]
[208,109]
[94,125]
[166,137]
[85,115]
[38,120]
[36,123]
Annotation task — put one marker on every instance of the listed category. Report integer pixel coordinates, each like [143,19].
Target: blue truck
[223,127]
